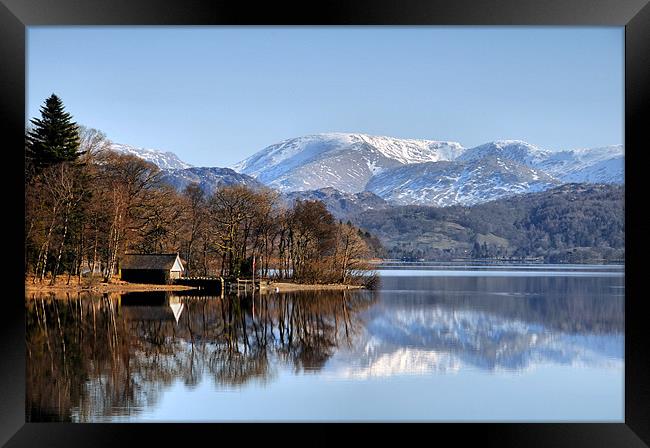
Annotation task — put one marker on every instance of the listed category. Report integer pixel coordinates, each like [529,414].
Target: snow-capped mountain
[209,179]
[345,162]
[460,182]
[593,165]
[163,160]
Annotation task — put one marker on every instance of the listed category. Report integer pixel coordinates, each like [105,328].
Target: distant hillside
[209,179]
[570,223]
[341,205]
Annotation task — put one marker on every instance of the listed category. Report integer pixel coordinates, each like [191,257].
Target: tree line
[86,206]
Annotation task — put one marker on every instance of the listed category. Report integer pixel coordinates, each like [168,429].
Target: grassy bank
[115,285]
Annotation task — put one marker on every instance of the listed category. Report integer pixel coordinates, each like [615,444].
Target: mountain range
[342,161]
[359,170]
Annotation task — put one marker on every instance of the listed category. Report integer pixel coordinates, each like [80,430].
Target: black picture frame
[16,15]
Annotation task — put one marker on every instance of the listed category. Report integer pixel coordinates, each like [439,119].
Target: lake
[432,343]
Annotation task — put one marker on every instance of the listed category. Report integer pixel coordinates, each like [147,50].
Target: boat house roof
[151,261]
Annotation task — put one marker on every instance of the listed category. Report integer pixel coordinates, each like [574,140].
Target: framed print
[357,213]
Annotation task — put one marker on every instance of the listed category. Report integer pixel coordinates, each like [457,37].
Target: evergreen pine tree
[54,138]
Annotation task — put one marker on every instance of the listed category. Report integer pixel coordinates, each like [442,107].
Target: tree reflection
[94,356]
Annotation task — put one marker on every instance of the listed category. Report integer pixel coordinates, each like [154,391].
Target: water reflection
[437,324]
[157,306]
[112,355]
[96,356]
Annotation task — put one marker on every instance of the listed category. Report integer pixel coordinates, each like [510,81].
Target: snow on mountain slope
[458,183]
[163,160]
[610,171]
[342,161]
[595,165]
[515,150]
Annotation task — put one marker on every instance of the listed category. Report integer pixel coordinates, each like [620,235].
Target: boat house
[151,268]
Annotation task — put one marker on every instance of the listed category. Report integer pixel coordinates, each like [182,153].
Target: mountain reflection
[445,324]
[442,340]
[93,357]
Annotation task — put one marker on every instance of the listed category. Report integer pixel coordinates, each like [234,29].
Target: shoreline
[124,287]
[104,287]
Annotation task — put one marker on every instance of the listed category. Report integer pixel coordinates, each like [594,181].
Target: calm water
[432,344]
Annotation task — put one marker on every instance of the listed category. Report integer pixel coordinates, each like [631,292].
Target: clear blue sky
[215,95]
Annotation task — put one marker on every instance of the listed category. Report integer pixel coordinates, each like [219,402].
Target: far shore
[287,286]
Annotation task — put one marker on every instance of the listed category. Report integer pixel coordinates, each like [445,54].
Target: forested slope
[570,223]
